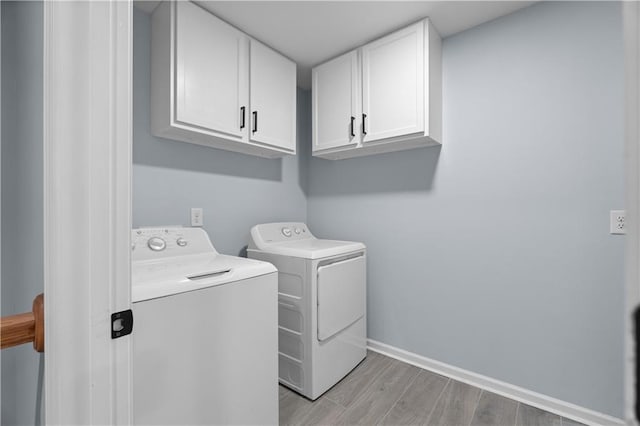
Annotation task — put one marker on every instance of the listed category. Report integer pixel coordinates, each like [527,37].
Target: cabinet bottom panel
[380,147]
[182,133]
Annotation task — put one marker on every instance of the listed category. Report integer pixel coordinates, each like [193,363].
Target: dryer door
[341,295]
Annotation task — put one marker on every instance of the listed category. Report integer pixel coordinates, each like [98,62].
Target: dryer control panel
[159,243]
[281,231]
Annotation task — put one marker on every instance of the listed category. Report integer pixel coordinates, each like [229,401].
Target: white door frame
[632,167]
[87,217]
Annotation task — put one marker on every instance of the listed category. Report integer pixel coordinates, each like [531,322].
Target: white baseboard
[547,403]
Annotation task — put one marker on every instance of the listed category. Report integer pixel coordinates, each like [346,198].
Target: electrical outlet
[617,222]
[196,217]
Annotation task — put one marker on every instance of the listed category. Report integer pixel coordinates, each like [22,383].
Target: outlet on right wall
[493,252]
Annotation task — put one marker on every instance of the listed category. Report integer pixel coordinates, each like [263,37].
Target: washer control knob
[181,242]
[156,244]
[297,230]
[286,232]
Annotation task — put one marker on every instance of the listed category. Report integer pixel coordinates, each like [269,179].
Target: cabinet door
[209,71]
[393,85]
[273,98]
[336,117]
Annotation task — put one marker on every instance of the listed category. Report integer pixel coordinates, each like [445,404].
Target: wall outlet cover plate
[617,222]
[196,217]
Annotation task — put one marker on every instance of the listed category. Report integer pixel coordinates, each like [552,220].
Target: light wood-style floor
[384,391]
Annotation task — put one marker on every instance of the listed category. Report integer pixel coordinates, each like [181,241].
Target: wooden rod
[38,317]
[17,329]
[24,328]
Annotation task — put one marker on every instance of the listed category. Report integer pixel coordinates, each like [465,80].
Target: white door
[335,109]
[393,85]
[273,98]
[342,295]
[210,71]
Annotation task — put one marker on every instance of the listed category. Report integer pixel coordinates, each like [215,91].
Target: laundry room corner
[319,212]
[490,253]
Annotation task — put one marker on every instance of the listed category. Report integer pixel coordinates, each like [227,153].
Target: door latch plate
[121,323]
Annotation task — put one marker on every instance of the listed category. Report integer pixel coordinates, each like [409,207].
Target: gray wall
[236,191]
[22,222]
[492,253]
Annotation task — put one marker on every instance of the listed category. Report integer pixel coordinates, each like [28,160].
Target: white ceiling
[311,32]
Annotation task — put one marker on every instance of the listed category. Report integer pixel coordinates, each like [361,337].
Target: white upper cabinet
[335,108]
[273,98]
[398,96]
[209,75]
[202,77]
[393,85]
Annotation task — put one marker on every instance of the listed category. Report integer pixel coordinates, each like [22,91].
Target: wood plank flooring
[384,391]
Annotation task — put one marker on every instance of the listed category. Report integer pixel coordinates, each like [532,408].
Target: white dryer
[321,304]
[204,335]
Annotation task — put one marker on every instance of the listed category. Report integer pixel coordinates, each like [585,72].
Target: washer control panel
[277,232]
[155,243]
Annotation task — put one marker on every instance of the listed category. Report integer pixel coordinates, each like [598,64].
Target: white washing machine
[204,334]
[322,320]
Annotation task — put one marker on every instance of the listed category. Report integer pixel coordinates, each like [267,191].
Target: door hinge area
[121,323]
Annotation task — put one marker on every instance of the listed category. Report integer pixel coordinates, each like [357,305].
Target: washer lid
[294,239]
[171,260]
[151,279]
